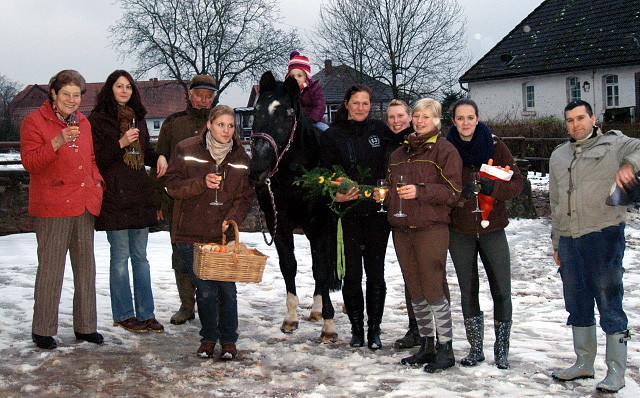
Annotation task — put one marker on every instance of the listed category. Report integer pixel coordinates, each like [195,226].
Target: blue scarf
[477,151]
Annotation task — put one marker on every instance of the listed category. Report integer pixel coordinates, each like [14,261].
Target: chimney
[328,68]
[155,81]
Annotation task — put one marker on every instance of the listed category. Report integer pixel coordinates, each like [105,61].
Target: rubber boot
[501,347]
[444,358]
[616,359]
[474,327]
[187,293]
[411,338]
[585,346]
[426,353]
[375,309]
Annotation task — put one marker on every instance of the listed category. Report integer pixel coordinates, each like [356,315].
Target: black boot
[426,354]
[474,327]
[375,308]
[444,358]
[411,338]
[501,347]
[355,311]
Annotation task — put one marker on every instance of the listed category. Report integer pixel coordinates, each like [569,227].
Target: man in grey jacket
[588,238]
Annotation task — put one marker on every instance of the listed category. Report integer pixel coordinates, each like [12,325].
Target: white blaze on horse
[283,141]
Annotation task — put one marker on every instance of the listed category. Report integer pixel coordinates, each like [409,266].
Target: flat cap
[203,81]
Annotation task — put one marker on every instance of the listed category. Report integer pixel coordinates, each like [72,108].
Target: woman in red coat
[65,195]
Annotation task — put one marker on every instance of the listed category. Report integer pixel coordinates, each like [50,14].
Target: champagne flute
[74,123]
[401,182]
[218,172]
[382,192]
[133,125]
[476,191]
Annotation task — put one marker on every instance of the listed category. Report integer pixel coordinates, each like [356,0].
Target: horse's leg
[329,332]
[288,268]
[316,308]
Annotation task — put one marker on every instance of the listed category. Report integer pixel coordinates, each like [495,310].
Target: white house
[564,50]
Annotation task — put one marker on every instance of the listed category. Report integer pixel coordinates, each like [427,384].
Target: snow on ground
[273,364]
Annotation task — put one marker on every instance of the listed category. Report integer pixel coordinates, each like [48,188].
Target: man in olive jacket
[178,126]
[588,238]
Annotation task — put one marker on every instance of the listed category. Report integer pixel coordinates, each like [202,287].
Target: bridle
[279,156]
[271,141]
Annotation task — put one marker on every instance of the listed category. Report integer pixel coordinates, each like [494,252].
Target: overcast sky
[38,38]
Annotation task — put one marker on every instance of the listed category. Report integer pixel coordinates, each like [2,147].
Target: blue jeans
[125,244]
[591,269]
[212,296]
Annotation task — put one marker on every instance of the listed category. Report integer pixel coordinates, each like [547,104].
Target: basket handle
[235,228]
[224,240]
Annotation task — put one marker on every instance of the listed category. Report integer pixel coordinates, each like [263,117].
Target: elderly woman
[65,194]
[468,238]
[355,141]
[208,177]
[426,172]
[121,143]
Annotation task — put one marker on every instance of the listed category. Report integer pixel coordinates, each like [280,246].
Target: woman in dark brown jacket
[203,206]
[468,237]
[431,167]
[121,145]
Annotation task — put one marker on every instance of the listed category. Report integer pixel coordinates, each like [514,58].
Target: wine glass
[133,125]
[476,191]
[382,192]
[218,172]
[74,123]
[401,182]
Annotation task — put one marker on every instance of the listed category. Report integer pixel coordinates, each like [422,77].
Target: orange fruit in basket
[216,248]
[251,253]
[223,249]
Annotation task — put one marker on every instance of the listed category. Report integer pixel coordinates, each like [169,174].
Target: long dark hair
[106,101]
[342,114]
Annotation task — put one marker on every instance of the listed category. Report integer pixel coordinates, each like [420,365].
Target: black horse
[283,141]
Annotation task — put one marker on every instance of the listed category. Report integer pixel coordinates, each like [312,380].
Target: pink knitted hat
[298,61]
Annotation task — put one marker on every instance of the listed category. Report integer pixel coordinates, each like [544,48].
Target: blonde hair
[220,110]
[428,103]
[397,102]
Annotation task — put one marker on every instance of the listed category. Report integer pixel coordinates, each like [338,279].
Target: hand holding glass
[218,172]
[73,123]
[400,182]
[476,191]
[133,125]
[382,193]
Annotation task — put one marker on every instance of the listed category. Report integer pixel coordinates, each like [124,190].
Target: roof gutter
[463,88]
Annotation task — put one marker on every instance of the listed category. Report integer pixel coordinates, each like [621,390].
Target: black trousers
[494,253]
[365,244]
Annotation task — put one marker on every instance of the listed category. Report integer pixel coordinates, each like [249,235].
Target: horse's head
[273,125]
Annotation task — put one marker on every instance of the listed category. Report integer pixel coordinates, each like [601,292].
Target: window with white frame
[612,93]
[529,96]
[573,88]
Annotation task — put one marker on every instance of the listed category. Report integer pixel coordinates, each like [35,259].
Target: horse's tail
[326,228]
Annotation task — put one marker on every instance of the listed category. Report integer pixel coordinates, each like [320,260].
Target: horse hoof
[288,327]
[326,337]
[315,316]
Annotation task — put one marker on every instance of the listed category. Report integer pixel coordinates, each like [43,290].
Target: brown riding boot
[187,293]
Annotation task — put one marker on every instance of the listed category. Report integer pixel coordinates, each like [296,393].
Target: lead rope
[275,216]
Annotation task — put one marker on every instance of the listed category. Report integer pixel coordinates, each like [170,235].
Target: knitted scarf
[217,149]
[477,151]
[134,160]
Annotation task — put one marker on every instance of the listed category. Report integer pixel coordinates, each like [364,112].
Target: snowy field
[273,364]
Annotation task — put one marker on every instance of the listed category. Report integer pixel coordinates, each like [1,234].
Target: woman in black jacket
[121,146]
[355,141]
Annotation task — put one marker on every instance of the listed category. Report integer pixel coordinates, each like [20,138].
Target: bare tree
[8,90]
[415,46]
[232,40]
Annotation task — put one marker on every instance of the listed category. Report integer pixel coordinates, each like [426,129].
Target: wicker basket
[228,267]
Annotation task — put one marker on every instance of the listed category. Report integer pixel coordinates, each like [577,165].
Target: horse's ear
[291,87]
[267,82]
